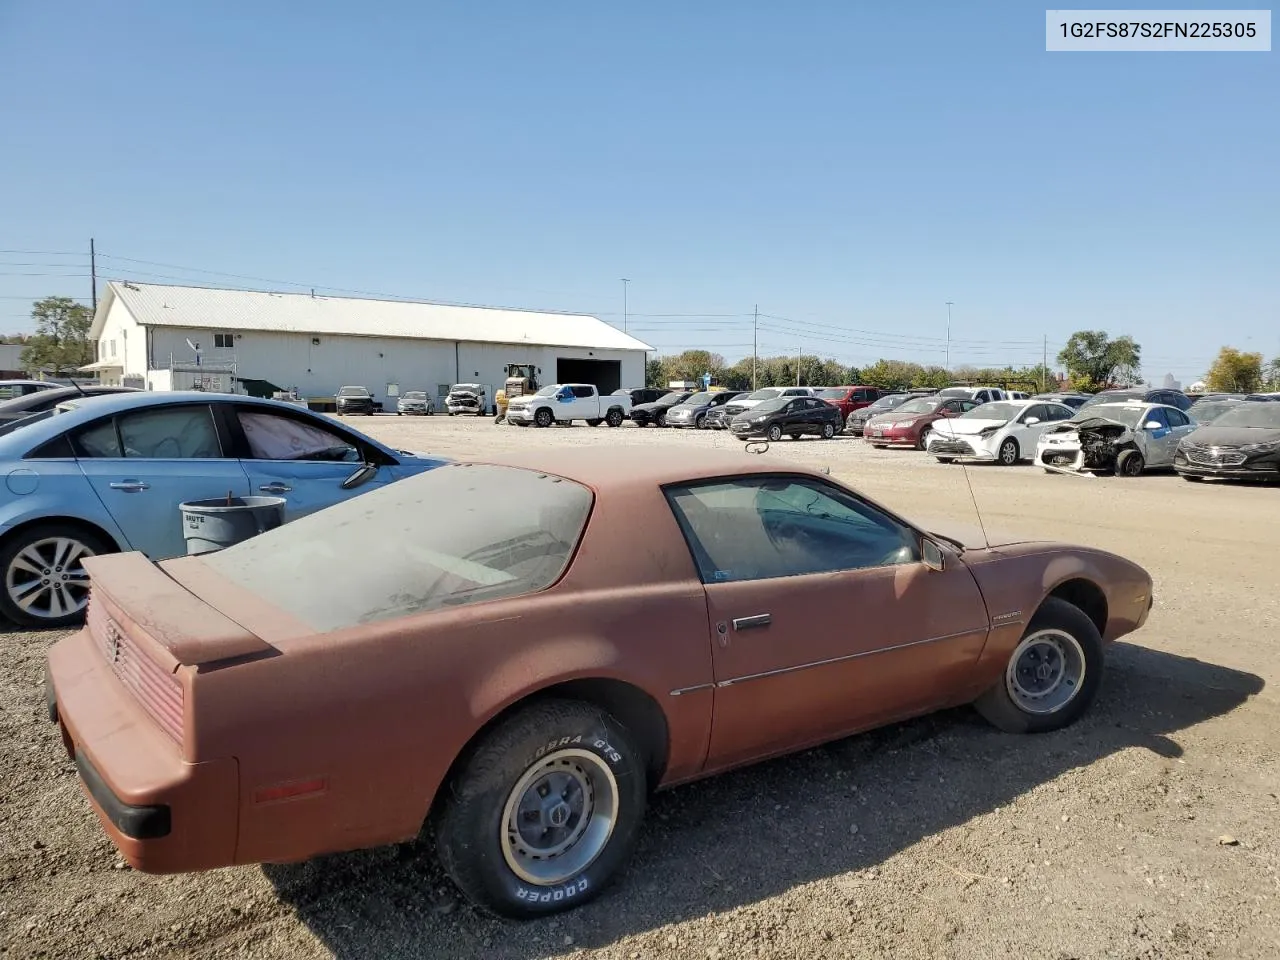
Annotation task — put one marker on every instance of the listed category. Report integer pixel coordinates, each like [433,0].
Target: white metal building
[152,335]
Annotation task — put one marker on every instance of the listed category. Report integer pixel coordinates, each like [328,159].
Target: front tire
[1008,455]
[774,434]
[543,418]
[923,442]
[594,422]
[44,582]
[545,811]
[1130,464]
[828,431]
[1052,675]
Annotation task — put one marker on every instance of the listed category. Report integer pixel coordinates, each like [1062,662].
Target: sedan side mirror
[1031,421]
[931,555]
[1152,425]
[363,475]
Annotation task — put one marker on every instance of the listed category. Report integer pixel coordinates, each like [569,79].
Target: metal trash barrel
[209,525]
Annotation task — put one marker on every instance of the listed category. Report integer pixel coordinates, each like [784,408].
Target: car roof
[105,404]
[625,466]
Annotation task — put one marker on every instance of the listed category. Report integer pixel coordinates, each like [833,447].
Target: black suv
[1172,398]
[354,400]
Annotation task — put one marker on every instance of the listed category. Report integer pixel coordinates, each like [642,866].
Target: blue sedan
[107,473]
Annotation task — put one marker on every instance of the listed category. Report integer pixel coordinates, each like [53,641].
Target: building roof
[211,308]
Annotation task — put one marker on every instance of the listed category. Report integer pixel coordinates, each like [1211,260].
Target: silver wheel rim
[1045,672]
[559,817]
[828,431]
[46,580]
[1008,452]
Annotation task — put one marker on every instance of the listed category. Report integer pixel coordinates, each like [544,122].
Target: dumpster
[209,525]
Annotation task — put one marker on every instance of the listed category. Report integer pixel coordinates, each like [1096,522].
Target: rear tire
[544,812]
[614,418]
[1052,676]
[40,588]
[794,436]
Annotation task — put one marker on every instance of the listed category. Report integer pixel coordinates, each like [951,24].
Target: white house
[163,337]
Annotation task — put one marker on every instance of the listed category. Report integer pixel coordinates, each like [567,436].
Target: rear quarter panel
[380,713]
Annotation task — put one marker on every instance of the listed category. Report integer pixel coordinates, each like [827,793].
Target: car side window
[1176,418]
[97,440]
[273,437]
[1038,412]
[583,392]
[1158,416]
[184,432]
[758,528]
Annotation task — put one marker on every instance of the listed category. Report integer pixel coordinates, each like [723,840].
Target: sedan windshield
[993,411]
[921,405]
[891,402]
[507,532]
[1118,397]
[1207,411]
[1251,414]
[672,398]
[771,406]
[1127,414]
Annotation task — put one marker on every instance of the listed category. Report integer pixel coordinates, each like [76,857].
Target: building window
[111,345]
[223,341]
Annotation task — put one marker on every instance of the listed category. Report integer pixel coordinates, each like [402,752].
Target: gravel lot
[1146,831]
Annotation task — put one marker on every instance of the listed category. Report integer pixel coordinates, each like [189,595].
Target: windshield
[889,402]
[1207,411]
[1121,413]
[771,406]
[698,398]
[353,392]
[956,392]
[415,395]
[1252,413]
[550,391]
[1116,397]
[507,532]
[671,399]
[921,405]
[831,393]
[767,393]
[468,387]
[994,411]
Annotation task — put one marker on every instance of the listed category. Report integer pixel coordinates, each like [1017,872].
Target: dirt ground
[1145,831]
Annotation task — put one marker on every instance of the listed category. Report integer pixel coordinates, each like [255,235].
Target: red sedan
[909,424]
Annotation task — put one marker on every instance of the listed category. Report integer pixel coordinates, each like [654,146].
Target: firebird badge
[1005,617]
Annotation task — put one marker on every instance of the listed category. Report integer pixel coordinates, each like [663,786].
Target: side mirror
[363,475]
[1031,421]
[1152,425]
[931,555]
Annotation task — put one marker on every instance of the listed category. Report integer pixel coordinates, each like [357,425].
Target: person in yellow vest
[500,402]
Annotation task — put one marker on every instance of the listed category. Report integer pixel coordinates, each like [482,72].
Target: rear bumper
[165,815]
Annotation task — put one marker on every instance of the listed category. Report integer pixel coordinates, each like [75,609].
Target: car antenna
[78,387]
[986,543]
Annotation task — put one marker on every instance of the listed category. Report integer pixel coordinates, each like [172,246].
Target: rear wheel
[614,418]
[1008,452]
[794,436]
[44,582]
[1052,675]
[544,812]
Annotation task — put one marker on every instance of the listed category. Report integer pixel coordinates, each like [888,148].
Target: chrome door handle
[130,486]
[746,623]
[274,488]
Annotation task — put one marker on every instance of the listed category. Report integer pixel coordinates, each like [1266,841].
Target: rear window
[455,535]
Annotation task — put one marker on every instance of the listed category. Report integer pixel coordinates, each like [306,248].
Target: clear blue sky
[848,166]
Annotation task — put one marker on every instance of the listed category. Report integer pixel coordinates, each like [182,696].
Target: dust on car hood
[972,536]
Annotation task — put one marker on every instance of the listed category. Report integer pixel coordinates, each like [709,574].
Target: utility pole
[799,353]
[625,281]
[949,303]
[1044,365]
[93,274]
[755,344]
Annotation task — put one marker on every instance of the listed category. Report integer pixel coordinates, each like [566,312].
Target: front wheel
[594,422]
[828,431]
[614,418]
[923,442]
[45,584]
[543,418]
[1008,452]
[1130,464]
[1052,675]
[545,811]
[1192,479]
[945,459]
[774,434]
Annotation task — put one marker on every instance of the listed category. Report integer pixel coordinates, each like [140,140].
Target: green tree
[936,377]
[1273,374]
[61,341]
[1095,361]
[1235,372]
[892,374]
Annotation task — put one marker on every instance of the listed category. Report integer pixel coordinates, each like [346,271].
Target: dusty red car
[909,424]
[849,399]
[553,636]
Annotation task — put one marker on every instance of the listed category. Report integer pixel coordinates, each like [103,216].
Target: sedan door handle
[129,486]
[759,620]
[275,488]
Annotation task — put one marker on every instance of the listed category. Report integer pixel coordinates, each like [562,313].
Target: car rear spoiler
[191,630]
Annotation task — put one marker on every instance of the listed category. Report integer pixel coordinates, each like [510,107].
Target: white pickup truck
[563,402]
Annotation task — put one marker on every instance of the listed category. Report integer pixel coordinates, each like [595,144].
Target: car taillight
[157,689]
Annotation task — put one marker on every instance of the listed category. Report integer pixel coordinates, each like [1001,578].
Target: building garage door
[605,375]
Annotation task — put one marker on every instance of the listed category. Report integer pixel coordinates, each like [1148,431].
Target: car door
[1159,438]
[586,402]
[823,618]
[144,463]
[1028,434]
[1180,427]
[301,458]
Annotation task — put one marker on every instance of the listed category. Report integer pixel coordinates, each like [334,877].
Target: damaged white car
[1005,431]
[1124,439]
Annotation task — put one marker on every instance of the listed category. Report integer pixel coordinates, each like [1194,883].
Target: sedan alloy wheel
[45,584]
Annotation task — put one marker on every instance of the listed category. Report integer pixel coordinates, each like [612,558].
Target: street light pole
[625,281]
[949,303]
[799,354]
